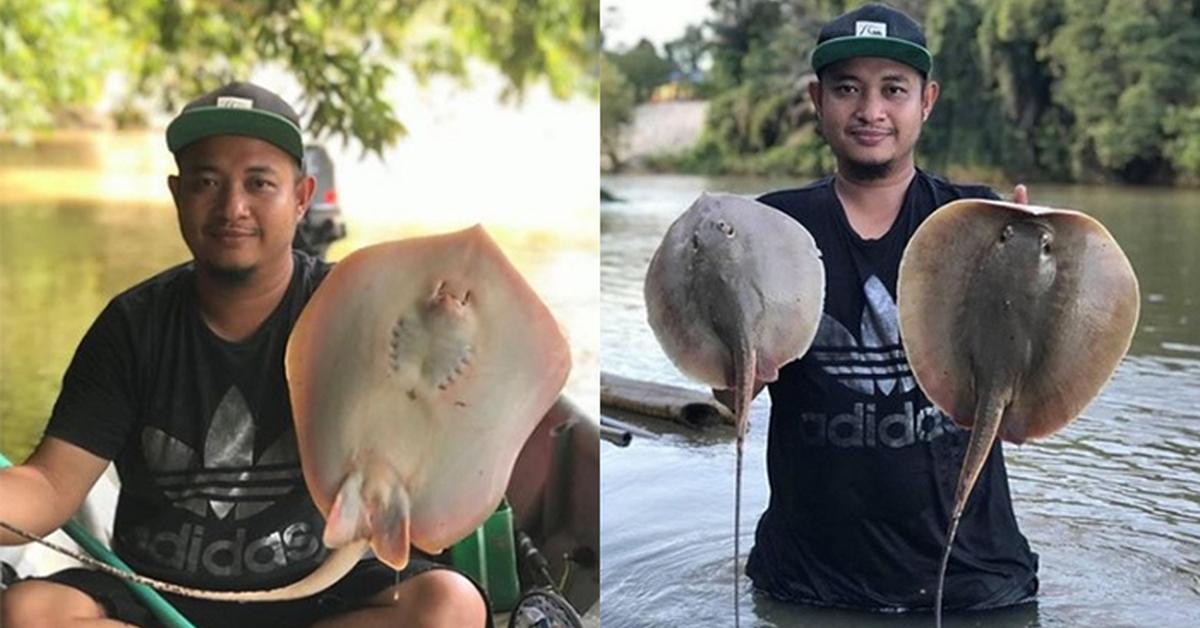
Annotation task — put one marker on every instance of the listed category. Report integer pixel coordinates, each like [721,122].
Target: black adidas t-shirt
[862,467]
[201,431]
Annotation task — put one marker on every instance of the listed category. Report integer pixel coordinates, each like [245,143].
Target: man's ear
[305,188]
[929,97]
[173,185]
[814,94]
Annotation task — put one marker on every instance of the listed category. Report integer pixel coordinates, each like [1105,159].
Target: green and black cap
[873,30]
[238,109]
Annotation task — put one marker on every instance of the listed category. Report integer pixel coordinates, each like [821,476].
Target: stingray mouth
[450,296]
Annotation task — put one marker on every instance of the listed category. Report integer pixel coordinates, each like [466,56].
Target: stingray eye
[695,241]
[1046,239]
[726,228]
[1006,233]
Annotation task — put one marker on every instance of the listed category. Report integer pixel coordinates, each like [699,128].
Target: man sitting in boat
[180,382]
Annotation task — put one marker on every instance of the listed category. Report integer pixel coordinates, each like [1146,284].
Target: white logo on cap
[870,29]
[234,102]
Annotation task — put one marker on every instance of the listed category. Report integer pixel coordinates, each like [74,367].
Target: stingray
[416,373]
[1013,317]
[734,292]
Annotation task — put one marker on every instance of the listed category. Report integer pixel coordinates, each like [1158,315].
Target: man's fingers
[1020,194]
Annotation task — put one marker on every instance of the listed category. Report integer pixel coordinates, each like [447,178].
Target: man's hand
[1020,194]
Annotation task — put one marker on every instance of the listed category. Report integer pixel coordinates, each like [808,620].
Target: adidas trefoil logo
[227,478]
[876,366]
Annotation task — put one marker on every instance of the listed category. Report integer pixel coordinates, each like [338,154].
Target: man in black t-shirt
[180,382]
[861,465]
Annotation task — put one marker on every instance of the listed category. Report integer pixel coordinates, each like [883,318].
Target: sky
[626,21]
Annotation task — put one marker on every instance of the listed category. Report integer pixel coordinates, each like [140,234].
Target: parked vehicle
[322,224]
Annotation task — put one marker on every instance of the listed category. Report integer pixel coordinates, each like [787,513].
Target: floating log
[662,401]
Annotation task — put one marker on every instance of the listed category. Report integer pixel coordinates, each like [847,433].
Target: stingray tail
[743,393]
[983,435]
[335,566]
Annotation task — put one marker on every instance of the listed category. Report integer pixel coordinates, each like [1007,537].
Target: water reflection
[59,266]
[1110,503]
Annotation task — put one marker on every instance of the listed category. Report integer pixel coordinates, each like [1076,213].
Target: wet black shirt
[861,466]
[201,433]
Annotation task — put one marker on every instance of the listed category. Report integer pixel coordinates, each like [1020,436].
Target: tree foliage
[617,96]
[49,59]
[1031,89]
[1124,70]
[642,68]
[342,52]
[687,53]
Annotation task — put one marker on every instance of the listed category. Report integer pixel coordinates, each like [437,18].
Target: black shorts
[367,578]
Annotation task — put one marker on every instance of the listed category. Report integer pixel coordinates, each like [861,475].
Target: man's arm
[40,495]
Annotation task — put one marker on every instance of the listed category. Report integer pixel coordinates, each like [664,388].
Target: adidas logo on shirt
[224,478]
[194,549]
[875,366]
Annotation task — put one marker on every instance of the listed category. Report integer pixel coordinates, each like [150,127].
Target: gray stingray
[734,292]
[1013,317]
[416,373]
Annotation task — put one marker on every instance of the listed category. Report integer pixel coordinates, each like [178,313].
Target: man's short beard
[862,171]
[229,276]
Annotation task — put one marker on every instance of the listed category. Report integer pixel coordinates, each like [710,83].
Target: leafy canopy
[57,55]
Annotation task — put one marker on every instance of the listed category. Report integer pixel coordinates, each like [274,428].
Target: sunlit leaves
[342,52]
[49,61]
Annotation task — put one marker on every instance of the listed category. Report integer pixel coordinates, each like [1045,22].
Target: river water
[1111,504]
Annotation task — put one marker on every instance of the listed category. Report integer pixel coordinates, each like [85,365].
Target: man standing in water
[861,466]
[180,382]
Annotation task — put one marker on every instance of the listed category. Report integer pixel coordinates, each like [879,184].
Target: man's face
[239,199]
[871,110]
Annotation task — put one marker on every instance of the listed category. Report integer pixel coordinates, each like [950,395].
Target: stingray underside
[416,372]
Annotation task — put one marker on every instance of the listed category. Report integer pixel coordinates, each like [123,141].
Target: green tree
[1125,70]
[1031,89]
[687,54]
[50,59]
[643,68]
[342,52]
[995,98]
[742,32]
[618,100]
